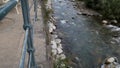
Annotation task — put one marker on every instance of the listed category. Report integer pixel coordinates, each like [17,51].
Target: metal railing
[28,39]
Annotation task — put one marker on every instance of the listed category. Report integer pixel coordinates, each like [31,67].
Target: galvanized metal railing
[28,39]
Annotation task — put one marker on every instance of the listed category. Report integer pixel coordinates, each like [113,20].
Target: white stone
[111,59]
[50,30]
[104,21]
[60,46]
[51,27]
[49,4]
[57,57]
[54,36]
[54,51]
[62,65]
[110,26]
[73,23]
[54,27]
[62,56]
[114,21]
[58,40]
[59,50]
[77,58]
[63,21]
[54,45]
[115,29]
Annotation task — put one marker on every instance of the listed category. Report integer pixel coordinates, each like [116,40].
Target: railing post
[35,8]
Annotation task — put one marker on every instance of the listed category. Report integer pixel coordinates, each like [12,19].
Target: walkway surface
[12,35]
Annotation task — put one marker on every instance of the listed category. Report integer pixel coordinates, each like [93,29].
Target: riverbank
[80,6]
[98,13]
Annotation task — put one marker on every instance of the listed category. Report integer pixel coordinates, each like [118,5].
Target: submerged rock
[63,21]
[79,13]
[73,17]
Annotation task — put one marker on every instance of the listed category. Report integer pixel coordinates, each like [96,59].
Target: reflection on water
[86,42]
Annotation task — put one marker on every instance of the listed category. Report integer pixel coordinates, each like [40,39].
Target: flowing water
[86,42]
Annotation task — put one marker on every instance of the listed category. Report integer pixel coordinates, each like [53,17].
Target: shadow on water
[86,42]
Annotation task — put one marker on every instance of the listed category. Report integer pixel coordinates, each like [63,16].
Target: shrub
[108,8]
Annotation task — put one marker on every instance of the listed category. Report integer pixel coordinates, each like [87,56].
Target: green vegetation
[110,9]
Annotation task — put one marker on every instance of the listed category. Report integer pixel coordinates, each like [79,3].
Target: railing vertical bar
[31,6]
[30,60]
[35,8]
[27,24]
[22,61]
[31,49]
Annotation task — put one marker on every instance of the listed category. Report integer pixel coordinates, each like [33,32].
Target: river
[86,42]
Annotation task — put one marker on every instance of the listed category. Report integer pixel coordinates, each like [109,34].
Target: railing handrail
[5,9]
